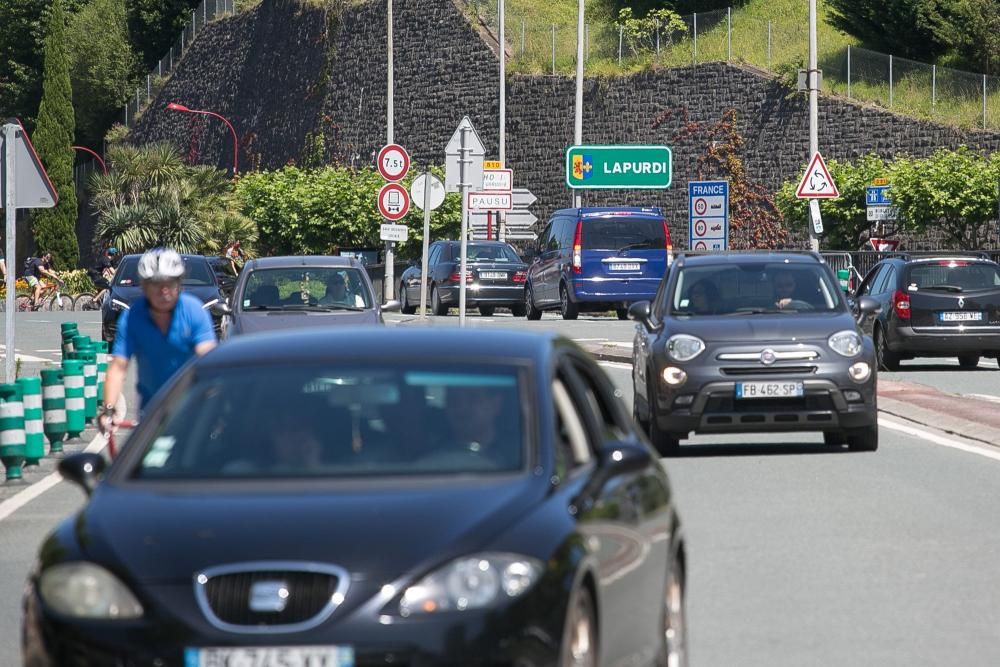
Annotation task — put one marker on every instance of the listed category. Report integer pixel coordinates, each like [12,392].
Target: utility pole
[812,78]
[501,223]
[390,273]
[578,128]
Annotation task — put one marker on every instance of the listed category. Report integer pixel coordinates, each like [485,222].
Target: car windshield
[490,252]
[753,288]
[197,273]
[953,276]
[316,421]
[622,232]
[320,288]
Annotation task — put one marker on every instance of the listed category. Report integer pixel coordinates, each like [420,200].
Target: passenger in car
[477,426]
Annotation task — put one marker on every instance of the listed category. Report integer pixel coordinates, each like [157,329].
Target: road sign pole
[463,189]
[813,107]
[390,271]
[501,231]
[10,136]
[427,234]
[578,121]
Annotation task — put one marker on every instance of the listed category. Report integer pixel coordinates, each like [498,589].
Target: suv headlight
[471,582]
[682,347]
[846,343]
[86,590]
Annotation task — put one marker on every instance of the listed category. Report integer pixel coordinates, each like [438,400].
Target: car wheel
[641,421]
[437,307]
[887,359]
[968,362]
[666,443]
[530,310]
[404,303]
[834,438]
[863,439]
[518,310]
[487,311]
[568,309]
[580,635]
[674,651]
[622,313]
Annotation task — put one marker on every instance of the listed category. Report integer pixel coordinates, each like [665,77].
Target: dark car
[753,342]
[597,259]
[302,291]
[495,278]
[199,280]
[934,306]
[330,498]
[225,274]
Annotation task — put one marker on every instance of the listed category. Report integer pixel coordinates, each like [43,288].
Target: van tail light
[901,304]
[669,245]
[454,277]
[578,248]
[520,276]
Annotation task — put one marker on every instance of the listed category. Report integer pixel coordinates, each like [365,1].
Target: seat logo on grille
[269,596]
[767,357]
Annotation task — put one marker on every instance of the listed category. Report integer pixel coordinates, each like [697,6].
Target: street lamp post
[174,106]
[104,167]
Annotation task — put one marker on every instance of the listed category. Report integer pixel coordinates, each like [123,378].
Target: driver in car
[784,289]
[338,295]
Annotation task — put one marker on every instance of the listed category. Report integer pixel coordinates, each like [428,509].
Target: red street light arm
[104,167]
[174,106]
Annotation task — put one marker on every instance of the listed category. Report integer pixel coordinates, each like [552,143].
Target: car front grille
[753,371]
[808,403]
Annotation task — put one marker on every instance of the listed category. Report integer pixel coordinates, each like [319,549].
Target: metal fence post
[172,56]
[586,37]
[933,87]
[183,33]
[204,12]
[768,46]
[890,80]
[695,58]
[553,49]
[984,101]
[522,38]
[194,24]
[149,88]
[159,67]
[621,34]
[848,71]
[729,34]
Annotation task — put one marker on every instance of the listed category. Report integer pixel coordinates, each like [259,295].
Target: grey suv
[753,342]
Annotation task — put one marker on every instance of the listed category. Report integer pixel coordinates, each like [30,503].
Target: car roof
[751,257]
[285,261]
[184,256]
[380,344]
[943,257]
[471,241]
[612,211]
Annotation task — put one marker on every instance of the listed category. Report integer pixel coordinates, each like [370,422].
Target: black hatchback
[944,305]
[753,342]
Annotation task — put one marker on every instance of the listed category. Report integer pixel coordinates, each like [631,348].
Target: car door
[882,290]
[556,254]
[865,289]
[415,273]
[642,345]
[542,258]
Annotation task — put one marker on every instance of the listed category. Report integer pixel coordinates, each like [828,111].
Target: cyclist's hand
[107,421]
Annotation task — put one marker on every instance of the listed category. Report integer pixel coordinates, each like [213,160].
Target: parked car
[302,291]
[753,342]
[328,497]
[495,278]
[225,274]
[934,306]
[597,259]
[199,280]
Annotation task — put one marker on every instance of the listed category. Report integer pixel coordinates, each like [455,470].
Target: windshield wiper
[945,288]
[641,244]
[261,307]
[759,311]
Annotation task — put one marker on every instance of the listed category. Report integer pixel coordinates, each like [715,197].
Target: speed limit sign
[393,162]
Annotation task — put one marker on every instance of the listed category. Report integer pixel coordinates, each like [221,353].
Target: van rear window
[617,233]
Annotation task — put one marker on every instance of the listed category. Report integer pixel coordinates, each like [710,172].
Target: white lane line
[22,498]
[985,451]
[987,397]
[615,364]
[586,340]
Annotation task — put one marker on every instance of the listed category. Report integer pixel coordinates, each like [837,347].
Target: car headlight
[118,305]
[682,347]
[471,582]
[846,343]
[86,590]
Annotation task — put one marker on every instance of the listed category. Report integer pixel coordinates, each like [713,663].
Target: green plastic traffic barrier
[34,434]
[89,359]
[69,331]
[81,343]
[76,406]
[844,278]
[53,408]
[11,430]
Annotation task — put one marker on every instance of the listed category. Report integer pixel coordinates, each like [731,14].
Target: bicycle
[88,301]
[52,299]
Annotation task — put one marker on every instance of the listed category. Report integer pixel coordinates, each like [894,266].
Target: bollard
[89,359]
[76,407]
[102,367]
[69,330]
[11,430]
[54,408]
[34,434]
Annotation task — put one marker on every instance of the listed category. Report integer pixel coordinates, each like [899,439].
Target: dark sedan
[199,280]
[328,498]
[302,291]
[495,276]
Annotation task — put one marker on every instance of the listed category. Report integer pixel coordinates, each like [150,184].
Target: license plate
[769,389]
[493,275]
[270,656]
[962,317]
[624,266]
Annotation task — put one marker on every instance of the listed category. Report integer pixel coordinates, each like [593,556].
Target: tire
[518,310]
[404,302]
[834,438]
[622,313]
[579,644]
[637,417]
[23,304]
[437,308]
[674,652]
[666,443]
[968,362]
[567,308]
[863,439]
[487,311]
[63,303]
[85,301]
[530,311]
[886,358]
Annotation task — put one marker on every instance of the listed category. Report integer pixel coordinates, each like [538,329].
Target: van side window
[434,256]
[568,232]
[552,239]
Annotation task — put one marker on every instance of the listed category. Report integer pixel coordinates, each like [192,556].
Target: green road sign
[625,167]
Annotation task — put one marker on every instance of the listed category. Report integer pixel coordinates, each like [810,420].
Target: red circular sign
[700,206]
[393,162]
[393,201]
[700,228]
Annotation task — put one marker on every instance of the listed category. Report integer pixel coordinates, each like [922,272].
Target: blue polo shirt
[160,356]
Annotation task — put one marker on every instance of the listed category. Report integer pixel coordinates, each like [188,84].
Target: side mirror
[83,469]
[640,311]
[614,459]
[221,308]
[391,306]
[868,306]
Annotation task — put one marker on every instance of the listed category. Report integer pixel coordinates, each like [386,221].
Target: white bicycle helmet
[161,264]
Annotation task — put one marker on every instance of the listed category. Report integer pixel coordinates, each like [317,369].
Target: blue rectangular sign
[878,195]
[708,215]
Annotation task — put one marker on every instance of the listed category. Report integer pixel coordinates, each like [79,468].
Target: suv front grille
[768,370]
[723,405]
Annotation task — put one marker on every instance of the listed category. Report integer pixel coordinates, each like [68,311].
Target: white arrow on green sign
[626,167]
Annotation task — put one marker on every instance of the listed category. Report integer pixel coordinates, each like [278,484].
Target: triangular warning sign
[816,183]
[31,184]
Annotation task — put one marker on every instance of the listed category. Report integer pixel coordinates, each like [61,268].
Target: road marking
[985,451]
[615,364]
[20,355]
[586,340]
[22,498]
[988,397]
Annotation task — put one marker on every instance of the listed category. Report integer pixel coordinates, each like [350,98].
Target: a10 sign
[393,162]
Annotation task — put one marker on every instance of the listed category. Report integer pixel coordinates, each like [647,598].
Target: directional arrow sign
[523,198]
[516,218]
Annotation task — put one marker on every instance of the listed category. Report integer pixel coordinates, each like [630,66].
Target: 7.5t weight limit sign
[393,162]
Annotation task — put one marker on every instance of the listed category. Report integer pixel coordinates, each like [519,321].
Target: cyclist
[34,269]
[163,330]
[101,274]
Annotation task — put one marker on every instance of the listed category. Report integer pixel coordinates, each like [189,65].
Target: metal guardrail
[862,261]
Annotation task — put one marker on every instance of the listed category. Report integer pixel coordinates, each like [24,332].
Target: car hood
[129,294]
[256,322]
[763,327]
[383,528]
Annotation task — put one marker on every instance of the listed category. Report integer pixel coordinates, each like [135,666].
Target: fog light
[853,396]
[686,399]
[860,371]
[674,376]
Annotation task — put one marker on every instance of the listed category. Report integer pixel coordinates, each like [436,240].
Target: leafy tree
[643,7]
[640,34]
[155,24]
[845,219]
[973,28]
[303,211]
[55,228]
[101,69]
[910,28]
